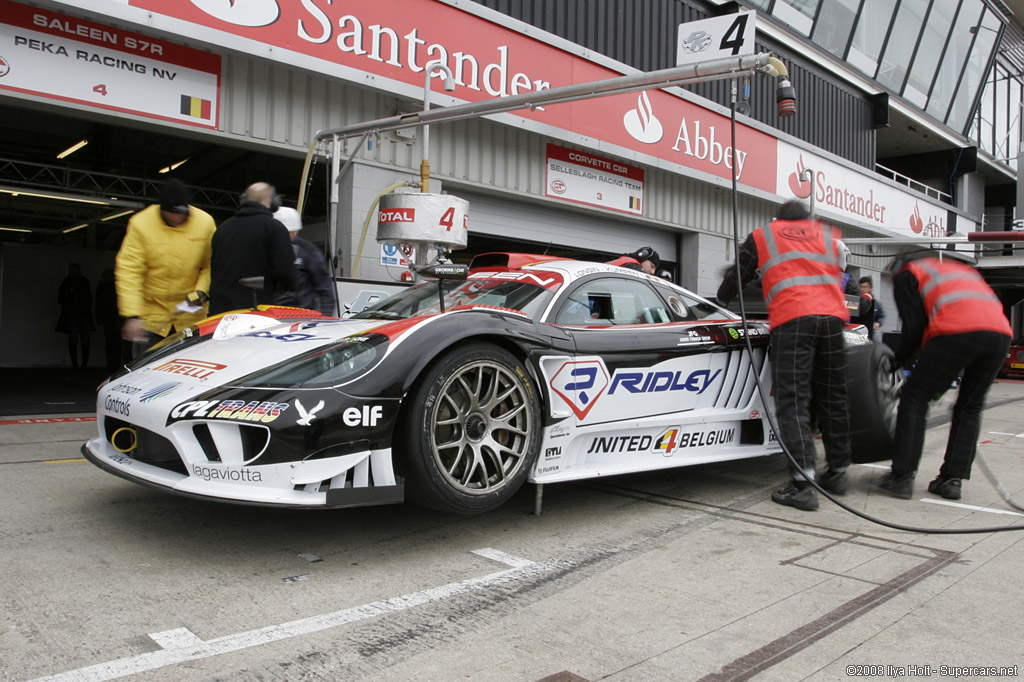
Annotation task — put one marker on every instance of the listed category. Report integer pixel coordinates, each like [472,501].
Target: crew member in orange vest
[799,261]
[957,322]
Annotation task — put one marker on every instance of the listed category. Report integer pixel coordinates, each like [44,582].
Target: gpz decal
[197,369]
[297,336]
[253,411]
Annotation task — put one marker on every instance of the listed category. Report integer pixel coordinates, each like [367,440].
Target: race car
[1013,363]
[456,391]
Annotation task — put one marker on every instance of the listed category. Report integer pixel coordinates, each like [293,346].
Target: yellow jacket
[159,265]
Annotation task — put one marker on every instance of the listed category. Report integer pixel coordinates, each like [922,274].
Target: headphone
[643,253]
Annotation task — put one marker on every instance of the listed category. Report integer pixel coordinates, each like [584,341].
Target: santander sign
[377,41]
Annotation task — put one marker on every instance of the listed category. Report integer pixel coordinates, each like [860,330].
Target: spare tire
[873,392]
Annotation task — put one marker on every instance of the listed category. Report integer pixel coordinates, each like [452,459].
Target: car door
[634,354]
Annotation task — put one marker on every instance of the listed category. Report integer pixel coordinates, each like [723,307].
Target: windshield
[422,299]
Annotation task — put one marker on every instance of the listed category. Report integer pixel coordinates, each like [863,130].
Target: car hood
[242,344]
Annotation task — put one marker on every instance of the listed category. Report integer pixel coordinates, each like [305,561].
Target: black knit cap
[174,197]
[647,253]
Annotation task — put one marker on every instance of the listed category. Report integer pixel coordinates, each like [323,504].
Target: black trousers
[809,368]
[979,355]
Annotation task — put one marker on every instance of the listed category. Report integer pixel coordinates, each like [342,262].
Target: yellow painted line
[65,461]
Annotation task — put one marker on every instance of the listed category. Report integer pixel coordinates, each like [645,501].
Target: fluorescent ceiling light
[76,227]
[168,169]
[116,215]
[73,148]
[38,195]
[14,229]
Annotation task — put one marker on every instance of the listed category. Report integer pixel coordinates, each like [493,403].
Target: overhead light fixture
[59,197]
[14,229]
[168,169]
[112,216]
[76,227]
[73,148]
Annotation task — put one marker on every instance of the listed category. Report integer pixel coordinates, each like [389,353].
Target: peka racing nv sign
[52,55]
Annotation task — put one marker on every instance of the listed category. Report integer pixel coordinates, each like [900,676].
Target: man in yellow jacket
[163,267]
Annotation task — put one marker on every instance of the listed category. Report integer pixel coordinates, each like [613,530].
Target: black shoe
[802,498]
[834,482]
[901,486]
[945,487]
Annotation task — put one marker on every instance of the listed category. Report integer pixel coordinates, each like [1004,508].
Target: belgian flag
[194,106]
[634,203]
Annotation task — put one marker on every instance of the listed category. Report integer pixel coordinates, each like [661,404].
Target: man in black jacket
[251,244]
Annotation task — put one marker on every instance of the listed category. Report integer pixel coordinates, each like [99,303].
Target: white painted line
[179,638]
[199,649]
[1001,433]
[875,466]
[502,557]
[970,506]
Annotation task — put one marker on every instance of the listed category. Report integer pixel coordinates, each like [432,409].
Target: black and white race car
[452,394]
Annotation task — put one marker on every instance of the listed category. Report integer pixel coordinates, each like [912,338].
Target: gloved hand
[197,298]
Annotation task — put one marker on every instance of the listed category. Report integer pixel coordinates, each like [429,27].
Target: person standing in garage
[251,243]
[957,322]
[799,261]
[315,286]
[162,271]
[75,300]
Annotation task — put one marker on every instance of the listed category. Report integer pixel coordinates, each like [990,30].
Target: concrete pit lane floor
[689,574]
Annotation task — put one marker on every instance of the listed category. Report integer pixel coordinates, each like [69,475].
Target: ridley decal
[657,382]
[580,384]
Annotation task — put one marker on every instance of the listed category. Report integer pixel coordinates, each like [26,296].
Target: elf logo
[241,12]
[367,415]
[397,215]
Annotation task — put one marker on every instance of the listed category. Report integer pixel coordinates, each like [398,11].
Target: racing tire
[471,431]
[873,393]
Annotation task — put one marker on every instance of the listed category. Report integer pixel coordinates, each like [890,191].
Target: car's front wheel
[472,430]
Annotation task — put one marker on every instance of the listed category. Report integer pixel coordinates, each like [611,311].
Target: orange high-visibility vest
[956,299]
[799,261]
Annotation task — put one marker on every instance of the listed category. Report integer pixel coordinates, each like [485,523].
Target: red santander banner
[397,39]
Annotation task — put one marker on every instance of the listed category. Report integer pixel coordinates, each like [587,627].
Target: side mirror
[254,283]
[452,271]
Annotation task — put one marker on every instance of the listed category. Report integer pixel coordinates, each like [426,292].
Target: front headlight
[327,366]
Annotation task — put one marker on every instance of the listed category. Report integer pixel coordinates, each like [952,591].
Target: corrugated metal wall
[269,103]
[286,107]
[642,33]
